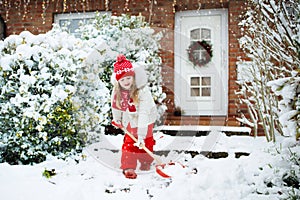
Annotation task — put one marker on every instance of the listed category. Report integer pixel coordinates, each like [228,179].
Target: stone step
[187,120]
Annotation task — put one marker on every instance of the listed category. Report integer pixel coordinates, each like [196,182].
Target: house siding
[34,18]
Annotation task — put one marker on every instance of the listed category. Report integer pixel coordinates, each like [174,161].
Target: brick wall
[37,16]
[235,10]
[19,16]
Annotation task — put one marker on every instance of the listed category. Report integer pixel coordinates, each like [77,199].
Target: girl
[133,109]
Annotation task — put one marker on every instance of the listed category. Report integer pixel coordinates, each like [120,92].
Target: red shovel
[160,167]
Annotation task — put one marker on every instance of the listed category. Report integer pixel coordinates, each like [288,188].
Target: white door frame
[224,60]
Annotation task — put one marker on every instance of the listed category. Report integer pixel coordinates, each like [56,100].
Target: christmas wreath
[194,56]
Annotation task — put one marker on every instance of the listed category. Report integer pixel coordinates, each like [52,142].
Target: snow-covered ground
[98,176]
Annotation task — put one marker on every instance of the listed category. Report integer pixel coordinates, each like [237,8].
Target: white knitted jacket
[146,112]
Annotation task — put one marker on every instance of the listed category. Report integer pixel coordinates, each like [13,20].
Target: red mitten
[131,106]
[117,125]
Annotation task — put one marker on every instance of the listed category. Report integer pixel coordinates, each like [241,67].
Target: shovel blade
[166,170]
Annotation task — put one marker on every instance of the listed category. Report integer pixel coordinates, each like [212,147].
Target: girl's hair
[134,92]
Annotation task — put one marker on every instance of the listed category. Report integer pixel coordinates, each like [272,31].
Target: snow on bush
[289,110]
[270,88]
[46,106]
[280,175]
[134,38]
[270,80]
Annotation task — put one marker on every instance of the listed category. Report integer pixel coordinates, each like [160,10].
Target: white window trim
[199,98]
[77,15]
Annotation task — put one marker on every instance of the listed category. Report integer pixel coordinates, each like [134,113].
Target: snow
[97,175]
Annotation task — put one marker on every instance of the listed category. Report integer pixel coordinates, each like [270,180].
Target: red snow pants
[131,154]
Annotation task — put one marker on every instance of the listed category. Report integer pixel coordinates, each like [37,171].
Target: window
[73,20]
[200,86]
[200,34]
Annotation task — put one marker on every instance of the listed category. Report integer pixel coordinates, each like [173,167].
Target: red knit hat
[123,67]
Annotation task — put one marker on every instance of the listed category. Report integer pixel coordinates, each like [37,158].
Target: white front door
[201,86]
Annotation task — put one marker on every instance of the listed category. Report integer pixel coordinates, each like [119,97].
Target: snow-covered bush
[289,110]
[270,88]
[269,31]
[92,94]
[281,175]
[46,106]
[131,36]
[55,87]
[296,106]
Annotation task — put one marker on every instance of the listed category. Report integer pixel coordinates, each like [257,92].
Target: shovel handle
[150,153]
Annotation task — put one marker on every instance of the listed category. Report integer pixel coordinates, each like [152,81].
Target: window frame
[200,87]
[58,17]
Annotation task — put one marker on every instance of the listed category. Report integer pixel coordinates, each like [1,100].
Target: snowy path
[98,177]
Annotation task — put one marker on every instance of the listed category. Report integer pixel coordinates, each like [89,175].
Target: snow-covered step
[195,130]
[208,154]
[190,130]
[215,145]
